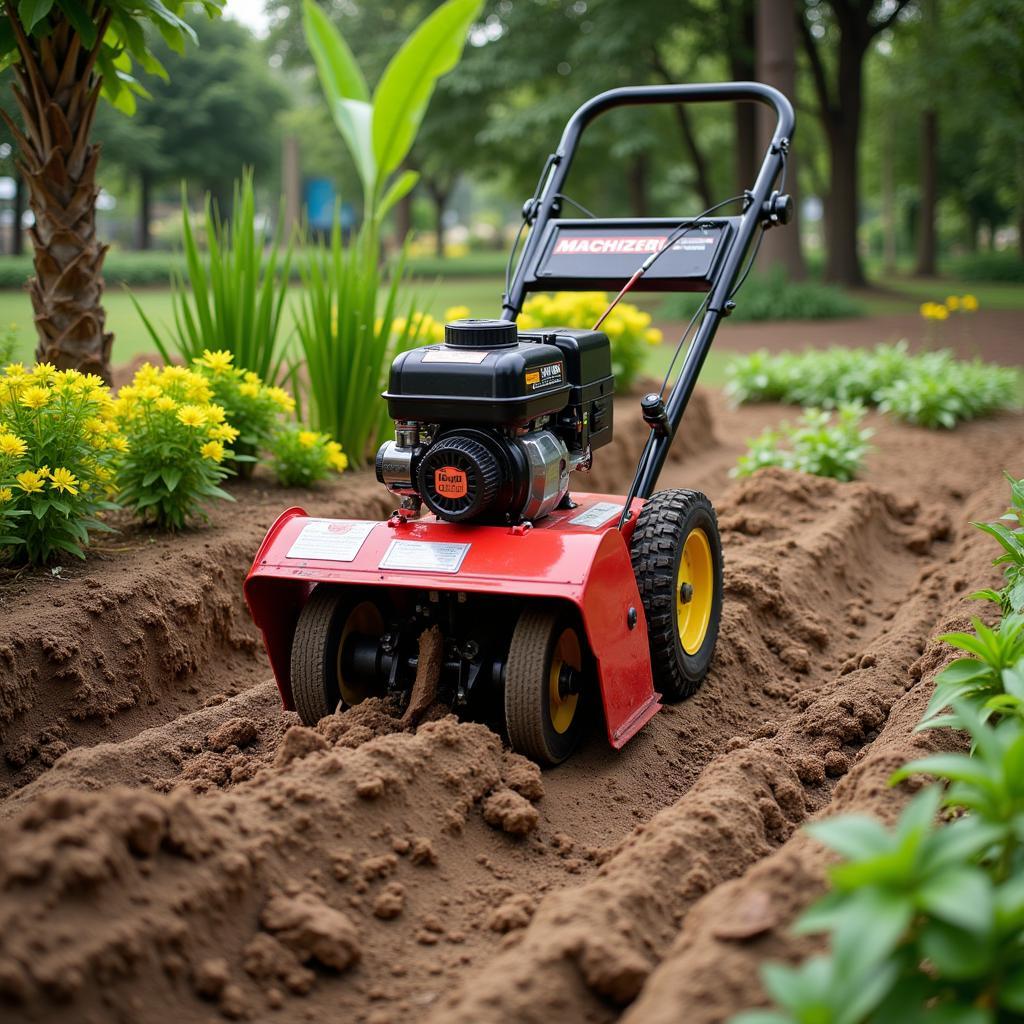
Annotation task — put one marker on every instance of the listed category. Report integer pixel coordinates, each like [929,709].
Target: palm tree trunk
[56,89]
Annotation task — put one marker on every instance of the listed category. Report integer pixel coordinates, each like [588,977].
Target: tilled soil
[175,847]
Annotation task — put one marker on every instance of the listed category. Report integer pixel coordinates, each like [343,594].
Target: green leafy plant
[771,296]
[1011,597]
[301,457]
[931,389]
[926,919]
[252,407]
[820,443]
[347,332]
[8,342]
[176,446]
[232,296]
[58,446]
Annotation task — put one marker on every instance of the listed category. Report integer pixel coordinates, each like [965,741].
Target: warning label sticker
[597,515]
[330,540]
[544,376]
[424,556]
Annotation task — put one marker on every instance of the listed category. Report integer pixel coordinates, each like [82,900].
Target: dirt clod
[510,812]
[312,930]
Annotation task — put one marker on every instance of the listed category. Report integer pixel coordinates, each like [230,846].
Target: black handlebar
[762,207]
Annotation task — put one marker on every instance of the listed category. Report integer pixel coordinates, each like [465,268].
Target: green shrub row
[926,919]
[770,296]
[931,389]
[1000,267]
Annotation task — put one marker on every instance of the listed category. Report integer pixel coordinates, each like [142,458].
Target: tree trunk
[888,205]
[637,181]
[56,89]
[776,65]
[142,236]
[702,182]
[17,237]
[842,262]
[743,68]
[440,197]
[928,157]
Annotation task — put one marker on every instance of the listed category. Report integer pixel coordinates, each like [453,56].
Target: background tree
[216,113]
[65,53]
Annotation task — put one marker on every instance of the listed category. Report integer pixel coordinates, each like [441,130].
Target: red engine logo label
[570,245]
[450,482]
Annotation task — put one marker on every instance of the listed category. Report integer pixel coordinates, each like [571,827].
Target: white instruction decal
[424,556]
[331,540]
[597,515]
[448,355]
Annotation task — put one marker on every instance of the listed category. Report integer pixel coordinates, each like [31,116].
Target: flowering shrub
[628,328]
[249,405]
[953,304]
[301,457]
[58,445]
[177,438]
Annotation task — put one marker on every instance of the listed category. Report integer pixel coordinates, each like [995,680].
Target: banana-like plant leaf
[399,188]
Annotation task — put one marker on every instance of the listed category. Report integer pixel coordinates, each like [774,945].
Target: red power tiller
[542,599]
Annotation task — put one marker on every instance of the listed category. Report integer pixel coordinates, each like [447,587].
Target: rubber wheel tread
[311,650]
[655,550]
[526,689]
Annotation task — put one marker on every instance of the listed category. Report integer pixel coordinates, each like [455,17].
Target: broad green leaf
[854,836]
[961,897]
[32,12]
[955,767]
[344,88]
[399,188]
[404,91]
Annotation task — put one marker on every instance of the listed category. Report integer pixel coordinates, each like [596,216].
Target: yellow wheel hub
[695,591]
[366,619]
[566,654]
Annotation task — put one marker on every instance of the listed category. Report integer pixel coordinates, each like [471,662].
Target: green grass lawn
[483,296]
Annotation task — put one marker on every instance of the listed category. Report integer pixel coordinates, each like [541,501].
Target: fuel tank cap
[471,333]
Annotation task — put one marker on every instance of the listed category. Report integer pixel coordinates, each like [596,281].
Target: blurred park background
[908,166]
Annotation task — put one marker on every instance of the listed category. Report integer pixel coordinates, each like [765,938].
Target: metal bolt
[686,593]
[631,617]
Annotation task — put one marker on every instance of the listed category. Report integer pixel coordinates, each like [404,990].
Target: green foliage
[301,457]
[1006,266]
[235,292]
[380,131]
[1011,538]
[176,438]
[931,389]
[346,346]
[770,296]
[125,44]
[8,342]
[251,407]
[817,443]
[58,444]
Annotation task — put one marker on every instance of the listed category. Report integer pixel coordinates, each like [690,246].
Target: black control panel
[602,255]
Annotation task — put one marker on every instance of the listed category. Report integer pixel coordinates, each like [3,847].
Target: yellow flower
[281,399]
[5,494]
[308,438]
[251,378]
[212,450]
[35,397]
[44,373]
[215,413]
[192,416]
[249,390]
[166,404]
[31,481]
[150,392]
[338,461]
[146,374]
[119,443]
[223,432]
[62,480]
[653,336]
[940,312]
[456,313]
[952,302]
[217,362]
[11,445]
[969,303]
[14,370]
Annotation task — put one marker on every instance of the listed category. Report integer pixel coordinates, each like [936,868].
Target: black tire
[540,725]
[317,685]
[682,635]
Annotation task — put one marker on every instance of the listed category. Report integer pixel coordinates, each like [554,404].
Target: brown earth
[174,847]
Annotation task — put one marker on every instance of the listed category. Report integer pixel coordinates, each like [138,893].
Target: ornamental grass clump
[301,458]
[628,328]
[59,442]
[252,407]
[177,445]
